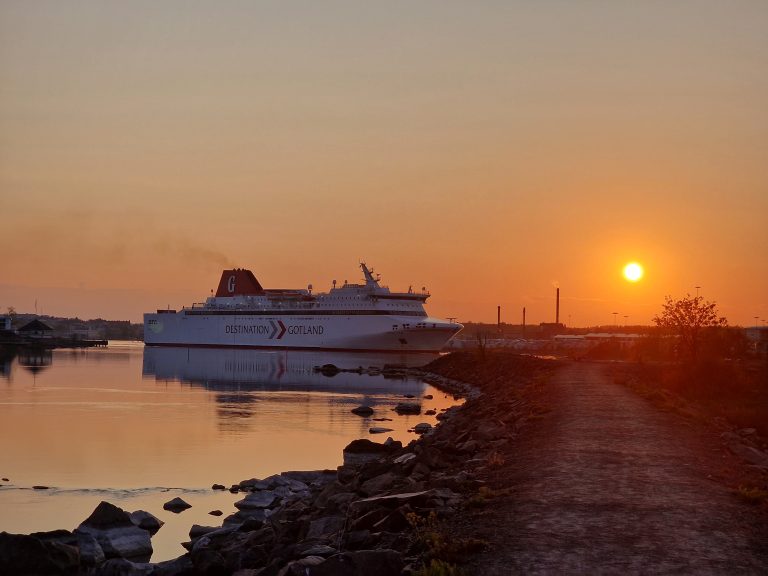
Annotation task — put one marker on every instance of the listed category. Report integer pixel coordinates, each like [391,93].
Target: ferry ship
[354,317]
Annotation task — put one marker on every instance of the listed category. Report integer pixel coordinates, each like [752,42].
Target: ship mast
[370,281]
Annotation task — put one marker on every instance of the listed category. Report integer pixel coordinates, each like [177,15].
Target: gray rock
[325,528]
[363,450]
[176,567]
[115,533]
[215,512]
[257,500]
[238,518]
[197,530]
[253,484]
[316,550]
[422,428]
[91,553]
[146,521]
[405,458]
[378,430]
[123,567]
[419,499]
[362,410]
[129,542]
[311,477]
[176,505]
[281,480]
[378,484]
[408,408]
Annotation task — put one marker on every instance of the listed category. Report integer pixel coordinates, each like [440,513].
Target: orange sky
[485,150]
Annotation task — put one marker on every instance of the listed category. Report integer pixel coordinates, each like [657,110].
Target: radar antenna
[370,280]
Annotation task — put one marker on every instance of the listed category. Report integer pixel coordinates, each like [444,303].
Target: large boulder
[23,555]
[116,533]
[363,450]
[107,515]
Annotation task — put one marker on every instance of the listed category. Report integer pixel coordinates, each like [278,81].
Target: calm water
[137,427]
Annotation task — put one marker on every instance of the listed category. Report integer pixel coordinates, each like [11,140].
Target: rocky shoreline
[377,514]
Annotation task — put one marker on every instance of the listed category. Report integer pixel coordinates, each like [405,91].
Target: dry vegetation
[733,390]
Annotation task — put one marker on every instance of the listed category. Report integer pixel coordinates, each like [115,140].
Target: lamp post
[697,290]
[615,314]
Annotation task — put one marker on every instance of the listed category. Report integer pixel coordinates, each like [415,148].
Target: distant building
[5,322]
[550,329]
[36,329]
[85,332]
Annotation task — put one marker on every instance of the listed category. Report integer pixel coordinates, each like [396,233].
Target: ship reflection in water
[239,377]
[138,426]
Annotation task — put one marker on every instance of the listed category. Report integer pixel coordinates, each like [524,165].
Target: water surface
[137,427]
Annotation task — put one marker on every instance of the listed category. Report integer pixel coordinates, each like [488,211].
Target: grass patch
[438,546]
[486,494]
[440,568]
[734,390]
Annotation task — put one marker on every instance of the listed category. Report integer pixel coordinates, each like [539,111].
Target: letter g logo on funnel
[231,284]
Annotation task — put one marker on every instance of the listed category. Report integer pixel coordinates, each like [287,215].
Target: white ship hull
[353,317]
[281,332]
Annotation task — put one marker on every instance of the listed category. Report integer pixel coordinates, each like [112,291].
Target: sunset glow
[478,151]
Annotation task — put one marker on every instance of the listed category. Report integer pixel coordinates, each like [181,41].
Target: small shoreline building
[36,329]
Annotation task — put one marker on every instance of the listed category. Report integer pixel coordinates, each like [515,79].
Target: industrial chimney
[557,308]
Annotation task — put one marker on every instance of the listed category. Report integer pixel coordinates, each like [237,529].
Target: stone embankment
[374,515]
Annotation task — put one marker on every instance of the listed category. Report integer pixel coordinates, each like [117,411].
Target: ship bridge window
[394,326]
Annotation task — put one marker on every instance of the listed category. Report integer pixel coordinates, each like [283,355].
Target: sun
[633,272]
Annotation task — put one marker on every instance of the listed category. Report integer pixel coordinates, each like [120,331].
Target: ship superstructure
[349,317]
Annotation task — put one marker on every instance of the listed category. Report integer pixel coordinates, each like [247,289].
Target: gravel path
[607,484]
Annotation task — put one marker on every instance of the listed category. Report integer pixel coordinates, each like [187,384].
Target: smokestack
[523,320]
[498,317]
[557,308]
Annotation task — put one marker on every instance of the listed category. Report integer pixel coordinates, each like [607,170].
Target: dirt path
[606,483]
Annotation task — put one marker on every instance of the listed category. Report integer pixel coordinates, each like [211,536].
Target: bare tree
[689,318]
